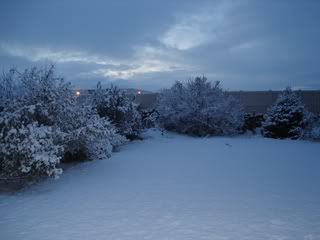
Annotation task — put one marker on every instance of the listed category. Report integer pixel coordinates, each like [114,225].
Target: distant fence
[148,100]
[252,101]
[260,101]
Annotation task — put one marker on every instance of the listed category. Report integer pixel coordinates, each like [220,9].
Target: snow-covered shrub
[49,124]
[36,87]
[90,136]
[27,149]
[311,130]
[315,133]
[252,122]
[51,94]
[199,108]
[286,118]
[7,89]
[149,117]
[81,128]
[114,104]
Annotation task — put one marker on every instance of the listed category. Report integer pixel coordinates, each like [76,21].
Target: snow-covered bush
[36,87]
[149,117]
[51,94]
[252,122]
[27,149]
[90,136]
[114,104]
[47,124]
[315,133]
[7,89]
[286,118]
[199,108]
[311,130]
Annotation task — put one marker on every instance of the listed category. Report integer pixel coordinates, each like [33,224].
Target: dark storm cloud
[149,44]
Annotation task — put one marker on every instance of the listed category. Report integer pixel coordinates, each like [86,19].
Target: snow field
[177,187]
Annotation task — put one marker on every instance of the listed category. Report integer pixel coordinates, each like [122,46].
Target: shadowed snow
[177,187]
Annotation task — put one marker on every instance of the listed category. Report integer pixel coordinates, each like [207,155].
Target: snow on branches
[90,136]
[114,104]
[286,118]
[41,124]
[27,149]
[199,108]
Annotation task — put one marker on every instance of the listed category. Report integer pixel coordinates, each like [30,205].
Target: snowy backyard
[177,187]
[159,120]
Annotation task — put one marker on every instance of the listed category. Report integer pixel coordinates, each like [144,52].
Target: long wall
[260,101]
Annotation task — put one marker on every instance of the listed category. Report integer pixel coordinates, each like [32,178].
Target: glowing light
[78,93]
[139,92]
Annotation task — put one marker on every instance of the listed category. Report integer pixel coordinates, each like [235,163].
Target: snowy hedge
[252,122]
[41,124]
[114,104]
[27,148]
[199,108]
[286,118]
[89,136]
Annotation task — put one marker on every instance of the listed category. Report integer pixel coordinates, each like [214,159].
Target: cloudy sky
[148,44]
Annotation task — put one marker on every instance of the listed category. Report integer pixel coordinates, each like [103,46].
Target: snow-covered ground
[177,187]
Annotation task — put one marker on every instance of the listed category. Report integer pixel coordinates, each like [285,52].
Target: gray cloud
[149,44]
